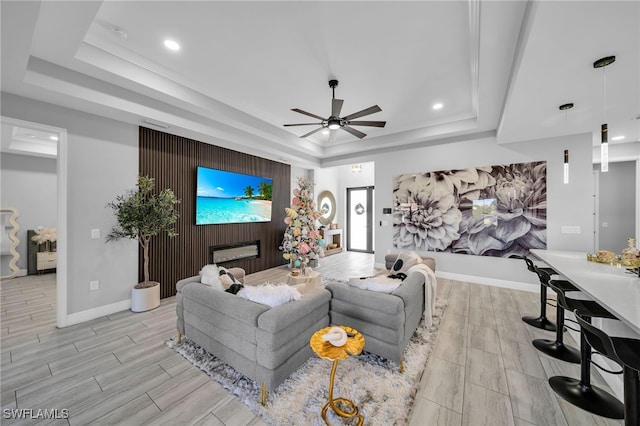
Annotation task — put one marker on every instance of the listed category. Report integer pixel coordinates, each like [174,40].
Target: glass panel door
[360,219]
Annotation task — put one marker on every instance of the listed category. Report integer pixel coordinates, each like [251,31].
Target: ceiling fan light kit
[335,122]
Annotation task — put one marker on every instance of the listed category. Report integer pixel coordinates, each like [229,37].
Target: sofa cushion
[283,316]
[201,299]
[269,294]
[370,299]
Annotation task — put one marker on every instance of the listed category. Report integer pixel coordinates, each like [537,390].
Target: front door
[360,219]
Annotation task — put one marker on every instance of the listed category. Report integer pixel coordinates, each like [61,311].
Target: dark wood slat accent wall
[172,160]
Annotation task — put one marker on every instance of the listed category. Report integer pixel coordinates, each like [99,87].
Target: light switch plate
[570,230]
[95,233]
[94,285]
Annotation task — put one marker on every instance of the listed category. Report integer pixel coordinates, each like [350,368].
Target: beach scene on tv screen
[227,197]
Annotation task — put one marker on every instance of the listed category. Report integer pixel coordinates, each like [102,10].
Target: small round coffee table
[325,350]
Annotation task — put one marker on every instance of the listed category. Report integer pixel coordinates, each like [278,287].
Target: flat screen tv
[227,197]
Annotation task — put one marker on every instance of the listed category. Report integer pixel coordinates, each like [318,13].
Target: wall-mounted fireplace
[234,252]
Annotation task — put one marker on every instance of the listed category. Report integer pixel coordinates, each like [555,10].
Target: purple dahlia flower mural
[487,211]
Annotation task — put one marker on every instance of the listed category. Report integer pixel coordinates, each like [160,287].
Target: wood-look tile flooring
[117,369]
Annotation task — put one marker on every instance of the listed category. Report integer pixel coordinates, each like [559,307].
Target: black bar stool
[580,392]
[540,321]
[556,348]
[626,352]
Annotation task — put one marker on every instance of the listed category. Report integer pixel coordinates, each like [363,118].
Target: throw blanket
[430,284]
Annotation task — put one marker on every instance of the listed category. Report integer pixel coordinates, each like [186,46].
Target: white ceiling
[501,68]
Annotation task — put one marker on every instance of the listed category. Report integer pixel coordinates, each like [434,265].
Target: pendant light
[566,166]
[604,130]
[565,108]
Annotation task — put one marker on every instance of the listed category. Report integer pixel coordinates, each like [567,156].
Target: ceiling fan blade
[311,132]
[303,124]
[336,107]
[308,113]
[362,113]
[368,123]
[354,132]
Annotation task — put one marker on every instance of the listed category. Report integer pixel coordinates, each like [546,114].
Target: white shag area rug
[383,395]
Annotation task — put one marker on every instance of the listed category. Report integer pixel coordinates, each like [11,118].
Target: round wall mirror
[327,205]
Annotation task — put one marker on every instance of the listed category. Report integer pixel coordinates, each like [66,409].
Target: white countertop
[610,286]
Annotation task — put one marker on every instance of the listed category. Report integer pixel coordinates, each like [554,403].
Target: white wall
[102,162]
[570,204]
[617,205]
[29,184]
[337,179]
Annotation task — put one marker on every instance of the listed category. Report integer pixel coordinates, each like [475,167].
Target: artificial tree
[143,214]
[302,241]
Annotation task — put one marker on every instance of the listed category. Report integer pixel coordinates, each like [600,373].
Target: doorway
[37,148]
[360,219]
[616,206]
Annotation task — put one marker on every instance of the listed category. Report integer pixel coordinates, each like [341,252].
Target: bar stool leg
[541,321]
[582,394]
[557,349]
[631,379]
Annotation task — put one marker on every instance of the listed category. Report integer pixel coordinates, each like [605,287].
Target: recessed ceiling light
[119,32]
[325,132]
[53,137]
[617,138]
[437,106]
[171,45]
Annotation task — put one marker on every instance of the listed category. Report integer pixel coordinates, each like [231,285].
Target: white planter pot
[145,299]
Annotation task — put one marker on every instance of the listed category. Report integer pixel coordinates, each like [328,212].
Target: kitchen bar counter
[610,286]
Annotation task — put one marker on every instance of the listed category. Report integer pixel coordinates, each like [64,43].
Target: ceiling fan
[335,122]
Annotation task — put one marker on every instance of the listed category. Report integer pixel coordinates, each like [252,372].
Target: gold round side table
[325,350]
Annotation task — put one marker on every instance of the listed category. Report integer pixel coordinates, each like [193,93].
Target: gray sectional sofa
[265,344]
[268,344]
[387,321]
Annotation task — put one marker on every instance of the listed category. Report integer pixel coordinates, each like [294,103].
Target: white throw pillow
[404,261]
[269,294]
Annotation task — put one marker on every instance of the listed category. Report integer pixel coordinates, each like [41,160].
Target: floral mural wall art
[486,211]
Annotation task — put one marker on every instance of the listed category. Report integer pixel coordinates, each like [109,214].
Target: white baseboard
[533,288]
[100,311]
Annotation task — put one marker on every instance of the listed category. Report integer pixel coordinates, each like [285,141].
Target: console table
[46,260]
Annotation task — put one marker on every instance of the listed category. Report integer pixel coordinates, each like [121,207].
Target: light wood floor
[117,369]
